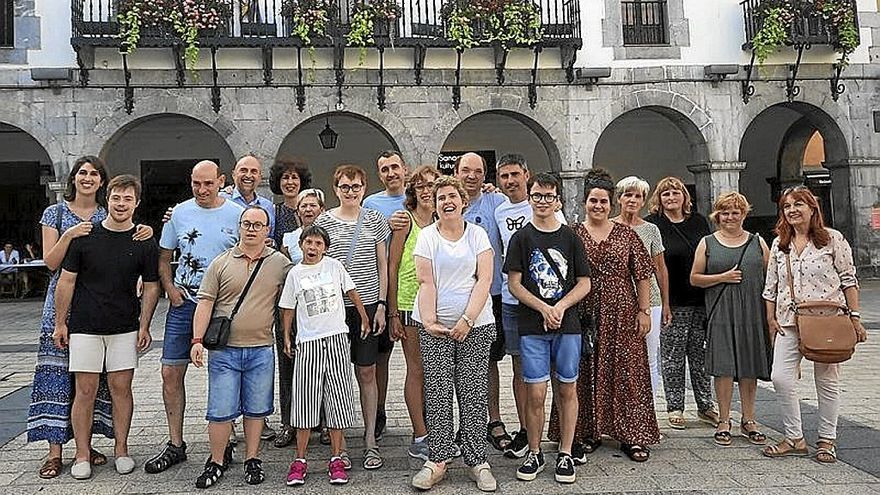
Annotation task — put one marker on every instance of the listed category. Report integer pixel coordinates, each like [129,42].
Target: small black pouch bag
[219,328]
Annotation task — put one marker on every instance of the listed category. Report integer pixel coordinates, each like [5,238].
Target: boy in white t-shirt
[322,370]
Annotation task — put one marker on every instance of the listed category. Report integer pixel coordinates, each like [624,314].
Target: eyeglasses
[347,188]
[424,186]
[253,226]
[546,198]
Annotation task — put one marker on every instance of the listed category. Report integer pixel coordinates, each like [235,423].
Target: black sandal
[212,474]
[591,444]
[723,438]
[636,453]
[499,442]
[97,458]
[253,471]
[285,437]
[754,436]
[169,456]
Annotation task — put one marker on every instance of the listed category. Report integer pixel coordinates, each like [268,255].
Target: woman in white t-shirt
[456,329]
[309,205]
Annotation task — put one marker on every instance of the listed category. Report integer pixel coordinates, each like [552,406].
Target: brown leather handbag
[825,332]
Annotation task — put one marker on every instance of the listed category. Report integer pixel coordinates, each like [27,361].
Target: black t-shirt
[107,265]
[524,255]
[680,243]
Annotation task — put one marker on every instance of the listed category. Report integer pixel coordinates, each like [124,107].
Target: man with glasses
[201,228]
[241,375]
[548,273]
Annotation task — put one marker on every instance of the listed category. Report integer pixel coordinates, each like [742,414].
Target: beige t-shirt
[225,280]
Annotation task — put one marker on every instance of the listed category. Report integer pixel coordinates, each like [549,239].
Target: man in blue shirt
[247,175]
[201,228]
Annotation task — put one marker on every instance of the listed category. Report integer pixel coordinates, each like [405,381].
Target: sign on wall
[446,162]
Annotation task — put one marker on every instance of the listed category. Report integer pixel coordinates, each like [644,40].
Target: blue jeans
[564,350]
[241,381]
[511,330]
[178,334]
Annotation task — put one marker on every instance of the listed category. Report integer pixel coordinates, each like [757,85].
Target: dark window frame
[7,23]
[645,22]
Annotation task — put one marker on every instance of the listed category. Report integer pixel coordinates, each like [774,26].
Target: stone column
[855,193]
[713,179]
[572,193]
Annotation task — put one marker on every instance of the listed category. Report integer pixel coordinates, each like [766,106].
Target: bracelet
[855,314]
[382,302]
[470,322]
[196,340]
[395,314]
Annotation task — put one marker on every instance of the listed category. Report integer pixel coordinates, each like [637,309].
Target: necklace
[734,237]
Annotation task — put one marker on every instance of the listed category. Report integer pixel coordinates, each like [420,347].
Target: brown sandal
[51,468]
[826,455]
[787,447]
[96,458]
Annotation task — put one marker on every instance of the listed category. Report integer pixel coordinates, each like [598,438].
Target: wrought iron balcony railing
[809,26]
[260,23]
[645,22]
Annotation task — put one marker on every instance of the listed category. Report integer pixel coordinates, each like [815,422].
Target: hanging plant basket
[364,19]
[475,22]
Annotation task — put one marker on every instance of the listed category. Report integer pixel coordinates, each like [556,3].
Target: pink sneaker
[336,470]
[297,473]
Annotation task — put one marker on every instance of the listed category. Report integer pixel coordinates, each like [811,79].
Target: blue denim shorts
[511,331]
[241,381]
[538,351]
[178,334]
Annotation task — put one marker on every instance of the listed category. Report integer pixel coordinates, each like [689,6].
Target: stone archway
[161,149]
[360,141]
[773,147]
[27,170]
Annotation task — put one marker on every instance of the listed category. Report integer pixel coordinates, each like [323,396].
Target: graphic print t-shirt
[315,292]
[201,234]
[525,255]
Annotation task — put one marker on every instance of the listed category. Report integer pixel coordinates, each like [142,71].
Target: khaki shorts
[99,353]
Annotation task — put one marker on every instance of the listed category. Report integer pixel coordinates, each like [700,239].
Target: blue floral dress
[53,389]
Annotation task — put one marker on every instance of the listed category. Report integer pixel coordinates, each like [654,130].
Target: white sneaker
[482,475]
[428,476]
[124,465]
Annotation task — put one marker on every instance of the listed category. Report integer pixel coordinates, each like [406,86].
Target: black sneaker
[268,433]
[212,474]
[381,421]
[577,454]
[519,446]
[253,471]
[565,468]
[533,465]
[169,456]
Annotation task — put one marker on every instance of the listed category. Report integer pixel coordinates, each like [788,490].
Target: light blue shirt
[384,204]
[482,212]
[266,204]
[200,234]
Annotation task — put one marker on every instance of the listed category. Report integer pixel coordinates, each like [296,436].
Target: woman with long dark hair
[84,205]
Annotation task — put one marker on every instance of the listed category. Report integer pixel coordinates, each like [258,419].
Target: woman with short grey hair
[631,193]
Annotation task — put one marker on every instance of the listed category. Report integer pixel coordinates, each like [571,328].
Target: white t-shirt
[510,218]
[317,291]
[290,240]
[455,272]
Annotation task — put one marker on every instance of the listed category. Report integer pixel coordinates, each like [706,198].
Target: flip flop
[372,459]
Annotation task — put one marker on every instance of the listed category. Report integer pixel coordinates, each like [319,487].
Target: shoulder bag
[822,338]
[219,328]
[354,240]
[588,330]
[721,292]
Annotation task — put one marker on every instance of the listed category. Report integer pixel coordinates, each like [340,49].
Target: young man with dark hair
[108,325]
[548,273]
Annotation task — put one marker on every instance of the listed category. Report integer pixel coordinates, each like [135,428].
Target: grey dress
[737,343]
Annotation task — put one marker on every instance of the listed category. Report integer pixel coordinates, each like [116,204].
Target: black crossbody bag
[588,332]
[217,335]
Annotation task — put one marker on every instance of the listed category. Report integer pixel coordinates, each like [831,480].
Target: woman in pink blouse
[822,269]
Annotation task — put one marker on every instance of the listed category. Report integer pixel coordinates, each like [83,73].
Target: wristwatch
[382,302]
[647,311]
[470,322]
[855,314]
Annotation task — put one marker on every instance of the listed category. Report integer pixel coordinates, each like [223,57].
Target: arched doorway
[26,171]
[161,149]
[495,133]
[359,141]
[786,145]
[652,142]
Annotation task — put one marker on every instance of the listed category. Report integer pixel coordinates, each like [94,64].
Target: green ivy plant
[508,22]
[308,19]
[186,19]
[777,18]
[363,22]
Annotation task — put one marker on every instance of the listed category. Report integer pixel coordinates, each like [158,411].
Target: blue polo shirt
[481,211]
[266,204]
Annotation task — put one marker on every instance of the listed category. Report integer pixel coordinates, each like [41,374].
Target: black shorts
[386,345]
[496,352]
[364,352]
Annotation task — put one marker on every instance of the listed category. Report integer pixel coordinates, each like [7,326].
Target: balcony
[260,24]
[809,26]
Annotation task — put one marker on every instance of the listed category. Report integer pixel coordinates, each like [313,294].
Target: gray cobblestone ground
[685,462]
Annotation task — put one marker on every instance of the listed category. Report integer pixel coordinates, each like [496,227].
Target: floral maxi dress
[53,390]
[614,384]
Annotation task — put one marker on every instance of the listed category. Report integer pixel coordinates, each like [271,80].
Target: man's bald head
[247,175]
[206,181]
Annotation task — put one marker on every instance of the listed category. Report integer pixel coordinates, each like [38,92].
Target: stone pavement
[686,461]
